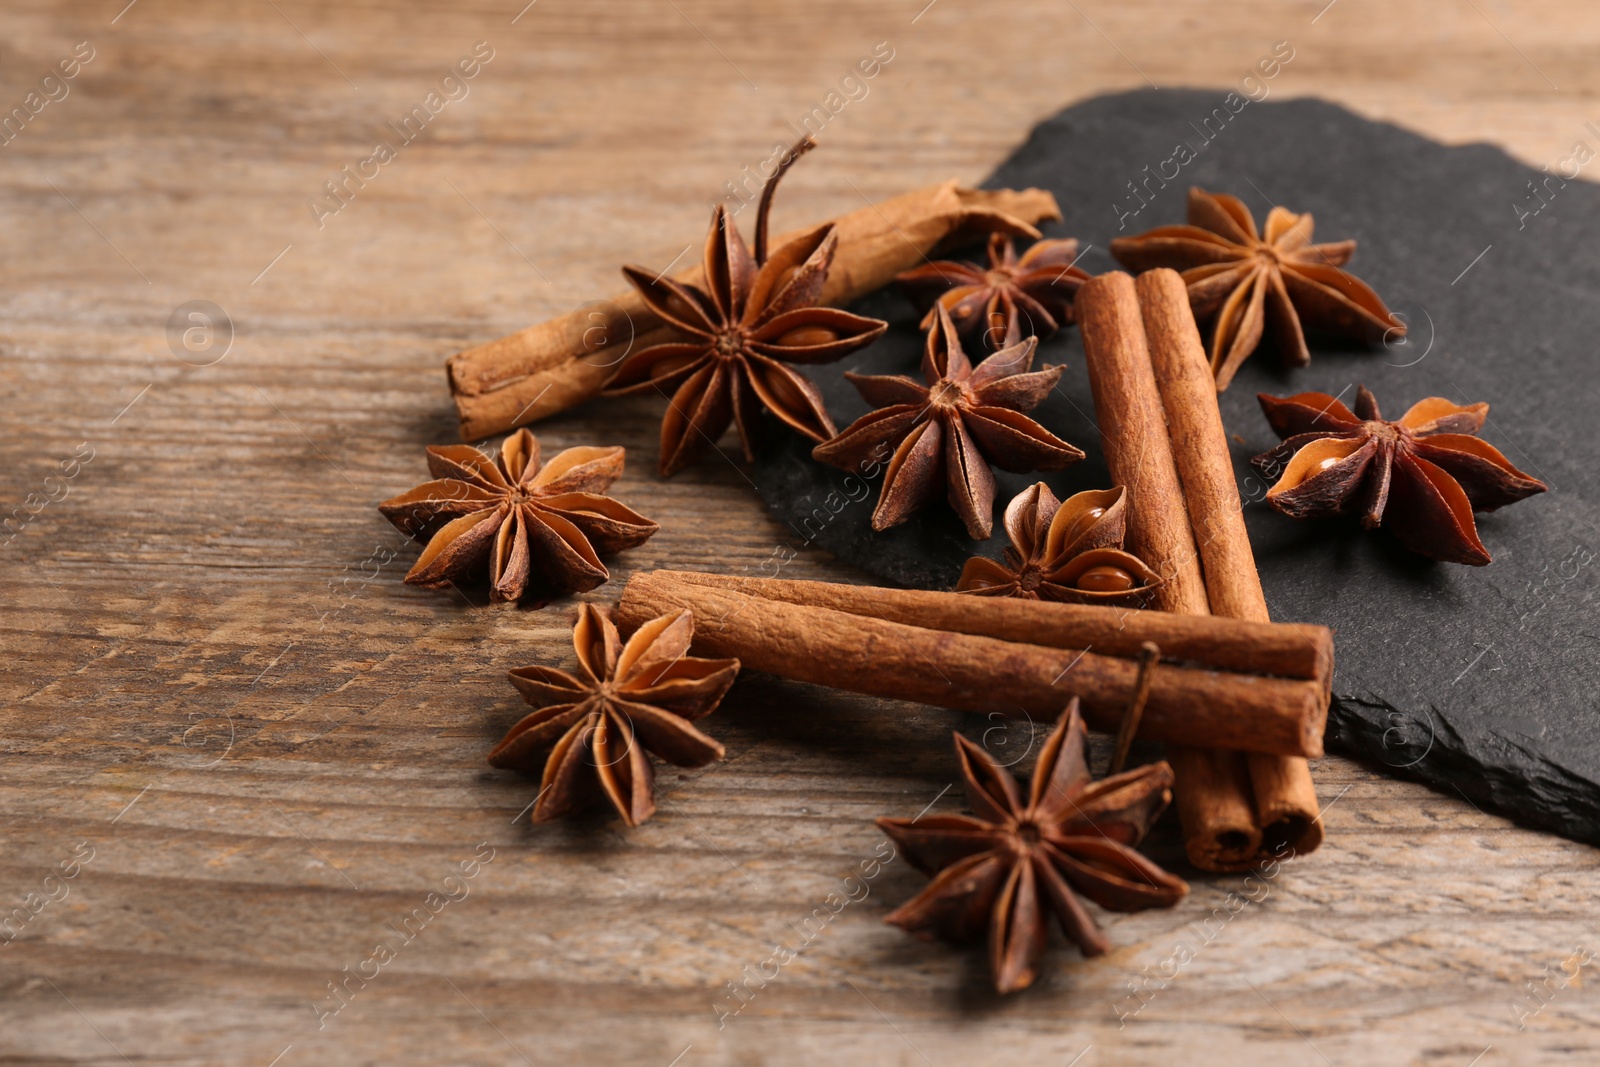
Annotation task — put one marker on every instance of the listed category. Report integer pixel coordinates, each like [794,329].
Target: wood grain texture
[272,751]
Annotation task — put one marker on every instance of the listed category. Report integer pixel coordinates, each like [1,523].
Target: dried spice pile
[725,345]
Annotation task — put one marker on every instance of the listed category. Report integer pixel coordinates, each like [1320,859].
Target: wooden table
[257,752]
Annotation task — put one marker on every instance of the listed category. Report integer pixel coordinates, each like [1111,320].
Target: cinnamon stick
[1133,435]
[1289,650]
[1284,796]
[552,366]
[1214,805]
[1186,705]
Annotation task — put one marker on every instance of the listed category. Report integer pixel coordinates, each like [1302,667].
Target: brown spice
[1421,476]
[755,317]
[1253,283]
[948,429]
[537,530]
[1005,869]
[1284,798]
[1068,552]
[1036,287]
[1133,435]
[1212,791]
[1188,704]
[1283,649]
[554,365]
[1128,729]
[598,724]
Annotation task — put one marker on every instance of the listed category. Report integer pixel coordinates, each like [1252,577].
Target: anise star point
[1420,476]
[950,427]
[1017,860]
[1257,282]
[756,315]
[537,529]
[624,701]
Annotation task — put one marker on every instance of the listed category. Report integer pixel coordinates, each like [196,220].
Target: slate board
[1479,681]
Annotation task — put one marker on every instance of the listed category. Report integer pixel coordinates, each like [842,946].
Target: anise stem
[1149,655]
[801,147]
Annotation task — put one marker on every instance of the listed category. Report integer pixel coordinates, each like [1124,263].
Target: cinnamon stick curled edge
[968,672]
[554,365]
[1209,787]
[1281,788]
[1162,434]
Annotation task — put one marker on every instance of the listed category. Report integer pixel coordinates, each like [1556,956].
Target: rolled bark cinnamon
[1284,797]
[1133,435]
[550,367]
[1213,802]
[1289,650]
[982,674]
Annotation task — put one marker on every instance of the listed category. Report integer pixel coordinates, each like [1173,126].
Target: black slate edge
[1488,768]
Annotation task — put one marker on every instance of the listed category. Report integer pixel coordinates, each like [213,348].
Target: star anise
[1038,286]
[1069,552]
[1008,866]
[755,315]
[949,430]
[538,531]
[1252,283]
[1422,477]
[598,724]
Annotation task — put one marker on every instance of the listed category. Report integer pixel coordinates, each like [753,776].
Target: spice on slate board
[1037,286]
[1220,821]
[1421,477]
[1280,787]
[1284,649]
[949,430]
[598,724]
[554,365]
[1068,552]
[537,531]
[1005,869]
[1133,433]
[1189,704]
[755,316]
[1253,283]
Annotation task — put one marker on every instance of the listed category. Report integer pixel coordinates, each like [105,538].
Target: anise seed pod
[1420,477]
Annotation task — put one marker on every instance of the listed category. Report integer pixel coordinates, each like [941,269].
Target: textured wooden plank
[216,682]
